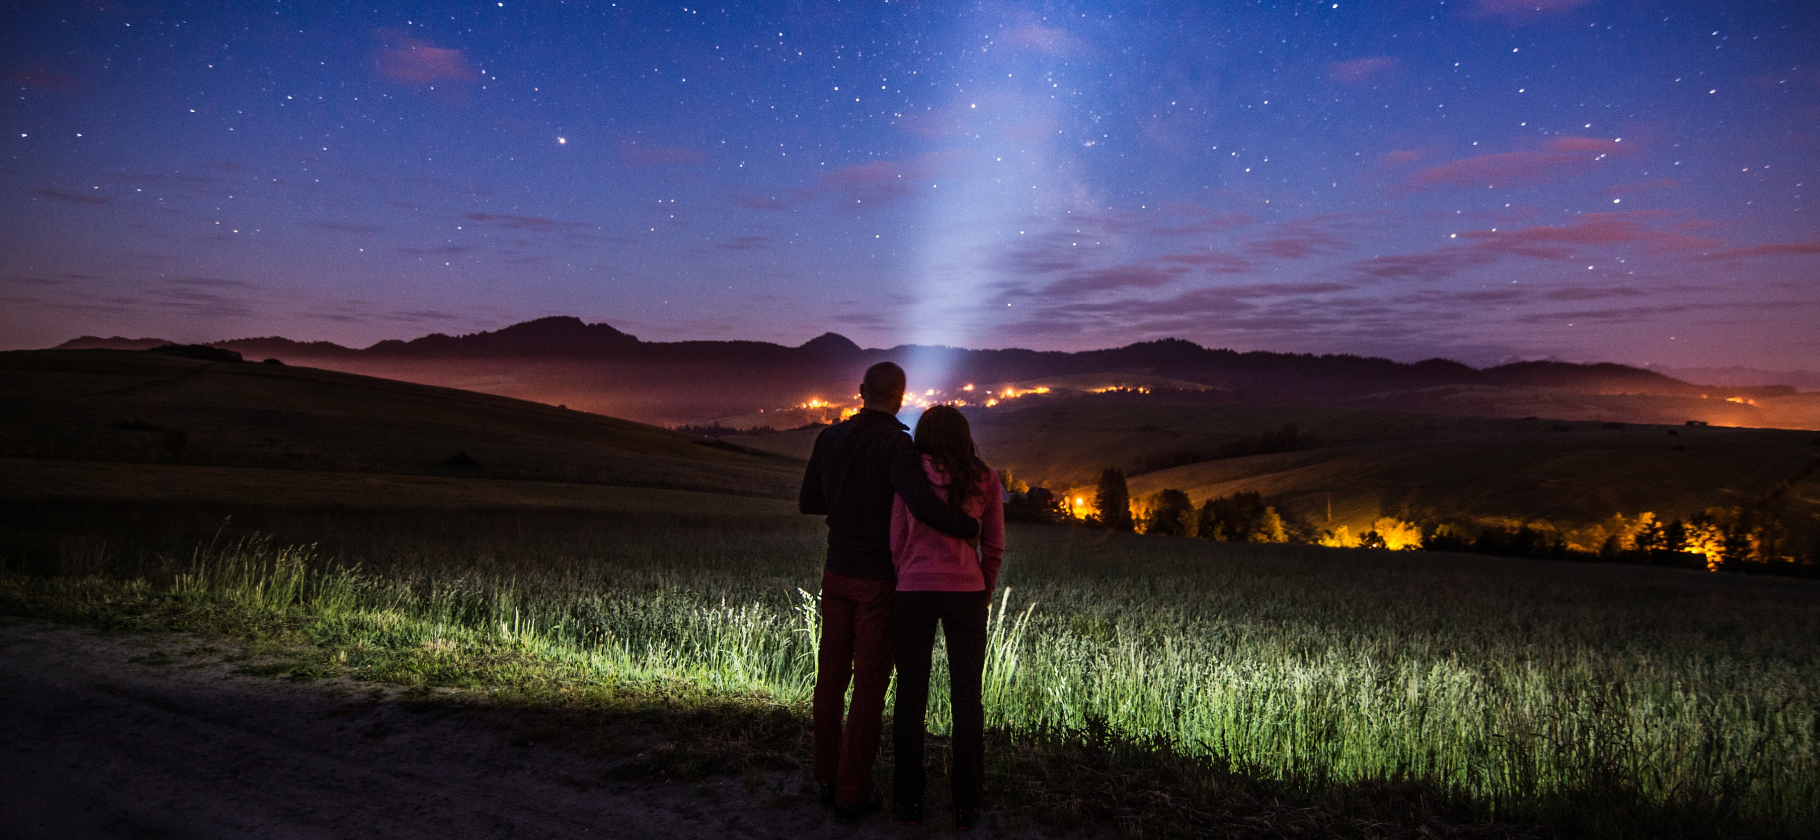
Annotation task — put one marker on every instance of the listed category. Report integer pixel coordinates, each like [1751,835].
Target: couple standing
[916,528]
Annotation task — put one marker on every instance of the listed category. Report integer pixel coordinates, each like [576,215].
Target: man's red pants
[856,647]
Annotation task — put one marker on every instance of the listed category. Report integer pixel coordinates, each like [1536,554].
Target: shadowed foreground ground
[138,736]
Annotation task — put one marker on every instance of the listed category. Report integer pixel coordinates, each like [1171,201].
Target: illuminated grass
[1609,701]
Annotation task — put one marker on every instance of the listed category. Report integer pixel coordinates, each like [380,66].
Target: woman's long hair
[943,434]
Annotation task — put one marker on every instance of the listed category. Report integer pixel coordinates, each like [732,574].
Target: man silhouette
[858,466]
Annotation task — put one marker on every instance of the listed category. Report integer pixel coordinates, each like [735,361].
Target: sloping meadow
[1599,700]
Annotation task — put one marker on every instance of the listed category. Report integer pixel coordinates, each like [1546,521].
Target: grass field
[1143,683]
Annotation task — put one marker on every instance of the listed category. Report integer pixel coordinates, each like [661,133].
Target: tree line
[1746,539]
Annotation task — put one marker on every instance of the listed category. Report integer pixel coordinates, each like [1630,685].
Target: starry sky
[1483,180]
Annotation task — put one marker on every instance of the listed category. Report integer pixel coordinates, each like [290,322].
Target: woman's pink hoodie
[928,560]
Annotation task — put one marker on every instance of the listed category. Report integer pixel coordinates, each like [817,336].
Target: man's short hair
[885,380]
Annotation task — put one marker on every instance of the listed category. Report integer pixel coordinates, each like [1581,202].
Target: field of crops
[1605,700]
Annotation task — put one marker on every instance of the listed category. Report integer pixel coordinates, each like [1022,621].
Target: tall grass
[1613,700]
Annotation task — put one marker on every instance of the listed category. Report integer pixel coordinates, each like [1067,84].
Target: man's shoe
[826,799]
[908,813]
[847,812]
[965,818]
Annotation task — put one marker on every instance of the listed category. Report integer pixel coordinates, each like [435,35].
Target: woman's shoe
[965,818]
[826,798]
[908,813]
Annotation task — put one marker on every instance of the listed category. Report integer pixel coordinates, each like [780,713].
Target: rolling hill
[164,419]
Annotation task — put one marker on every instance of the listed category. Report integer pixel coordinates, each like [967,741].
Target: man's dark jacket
[858,465]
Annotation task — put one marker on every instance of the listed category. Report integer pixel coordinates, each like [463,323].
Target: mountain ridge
[565,337]
[564,361]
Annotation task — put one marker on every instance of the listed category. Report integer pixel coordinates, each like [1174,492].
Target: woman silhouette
[941,578]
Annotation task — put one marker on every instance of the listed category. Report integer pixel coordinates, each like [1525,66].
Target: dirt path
[138,736]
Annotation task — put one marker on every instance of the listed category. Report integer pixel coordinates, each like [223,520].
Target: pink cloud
[1560,158]
[1360,70]
[1296,243]
[1216,262]
[538,224]
[1048,254]
[1774,249]
[877,181]
[1401,157]
[1593,229]
[73,198]
[1117,277]
[47,81]
[1541,242]
[1579,293]
[1614,147]
[410,61]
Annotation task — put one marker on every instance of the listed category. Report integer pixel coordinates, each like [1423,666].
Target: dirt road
[142,737]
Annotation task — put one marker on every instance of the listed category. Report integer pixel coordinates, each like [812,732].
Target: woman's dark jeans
[963,619]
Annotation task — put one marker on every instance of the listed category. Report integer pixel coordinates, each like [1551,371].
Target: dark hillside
[142,407]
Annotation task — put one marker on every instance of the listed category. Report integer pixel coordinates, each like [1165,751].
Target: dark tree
[1114,501]
[1035,505]
[1171,513]
[1231,518]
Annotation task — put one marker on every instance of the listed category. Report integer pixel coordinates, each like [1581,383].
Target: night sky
[1480,179]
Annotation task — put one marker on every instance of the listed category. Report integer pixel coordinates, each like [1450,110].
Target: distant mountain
[92,342]
[562,360]
[1805,380]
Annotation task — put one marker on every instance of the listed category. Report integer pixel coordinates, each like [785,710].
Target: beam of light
[1003,168]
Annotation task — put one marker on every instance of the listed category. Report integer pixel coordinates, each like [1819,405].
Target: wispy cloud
[405,60]
[438,251]
[1297,241]
[1773,249]
[1137,276]
[531,223]
[1556,242]
[1401,157]
[1040,255]
[43,81]
[1211,261]
[73,198]
[877,181]
[1361,70]
[1577,293]
[1593,232]
[1562,157]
